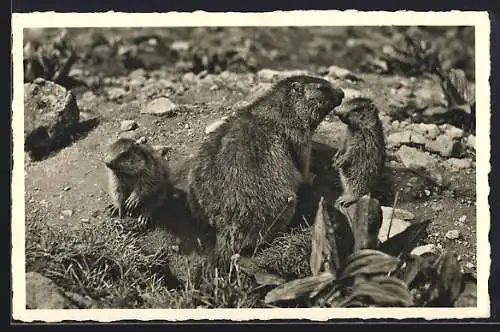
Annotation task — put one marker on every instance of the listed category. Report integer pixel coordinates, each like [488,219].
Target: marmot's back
[246,160]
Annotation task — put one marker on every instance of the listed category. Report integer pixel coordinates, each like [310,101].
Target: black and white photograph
[313,165]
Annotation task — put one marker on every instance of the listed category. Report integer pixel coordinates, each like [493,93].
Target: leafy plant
[385,276]
[417,56]
[51,61]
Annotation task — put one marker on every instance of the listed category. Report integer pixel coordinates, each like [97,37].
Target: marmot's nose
[338,95]
[109,164]
[340,92]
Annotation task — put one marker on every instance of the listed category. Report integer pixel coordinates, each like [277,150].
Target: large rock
[422,163]
[341,73]
[396,226]
[50,113]
[43,293]
[455,164]
[398,139]
[446,146]
[330,132]
[271,76]
[471,142]
[453,132]
[429,130]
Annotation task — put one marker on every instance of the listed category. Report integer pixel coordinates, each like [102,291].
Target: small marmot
[247,172]
[138,179]
[362,154]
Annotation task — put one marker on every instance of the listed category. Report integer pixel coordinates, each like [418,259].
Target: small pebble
[180,46]
[127,125]
[427,192]
[453,234]
[462,218]
[162,149]
[66,188]
[454,132]
[428,248]
[67,213]
[437,207]
[471,142]
[469,265]
[214,125]
[141,140]
[116,93]
[160,106]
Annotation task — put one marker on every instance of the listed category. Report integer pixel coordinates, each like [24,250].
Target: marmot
[138,179]
[245,177]
[362,154]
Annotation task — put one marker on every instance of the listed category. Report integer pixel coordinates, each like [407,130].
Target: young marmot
[245,177]
[361,156]
[138,179]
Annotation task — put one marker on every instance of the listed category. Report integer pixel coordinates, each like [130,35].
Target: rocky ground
[165,87]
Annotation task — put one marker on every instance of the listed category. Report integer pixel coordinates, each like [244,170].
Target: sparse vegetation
[372,277]
[115,268]
[106,263]
[51,61]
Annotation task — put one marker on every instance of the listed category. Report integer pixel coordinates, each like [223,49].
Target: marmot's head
[125,156]
[308,98]
[359,113]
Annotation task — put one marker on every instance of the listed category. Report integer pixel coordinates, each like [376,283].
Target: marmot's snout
[338,96]
[109,164]
[335,95]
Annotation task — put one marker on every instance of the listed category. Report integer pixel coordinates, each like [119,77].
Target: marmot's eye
[297,86]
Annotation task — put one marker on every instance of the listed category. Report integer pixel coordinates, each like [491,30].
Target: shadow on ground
[77,132]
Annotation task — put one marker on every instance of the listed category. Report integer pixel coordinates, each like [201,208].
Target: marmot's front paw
[132,202]
[114,211]
[144,219]
[345,201]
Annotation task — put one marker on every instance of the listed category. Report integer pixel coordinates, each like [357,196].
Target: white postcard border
[280,18]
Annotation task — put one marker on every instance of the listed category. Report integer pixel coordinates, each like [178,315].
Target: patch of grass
[286,256]
[109,265]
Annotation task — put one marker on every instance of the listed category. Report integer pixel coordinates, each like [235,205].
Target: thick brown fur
[362,154]
[138,179]
[246,174]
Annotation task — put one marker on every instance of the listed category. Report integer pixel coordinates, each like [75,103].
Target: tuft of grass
[287,255]
[110,265]
[99,261]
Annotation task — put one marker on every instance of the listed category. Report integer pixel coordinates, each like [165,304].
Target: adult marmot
[246,174]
